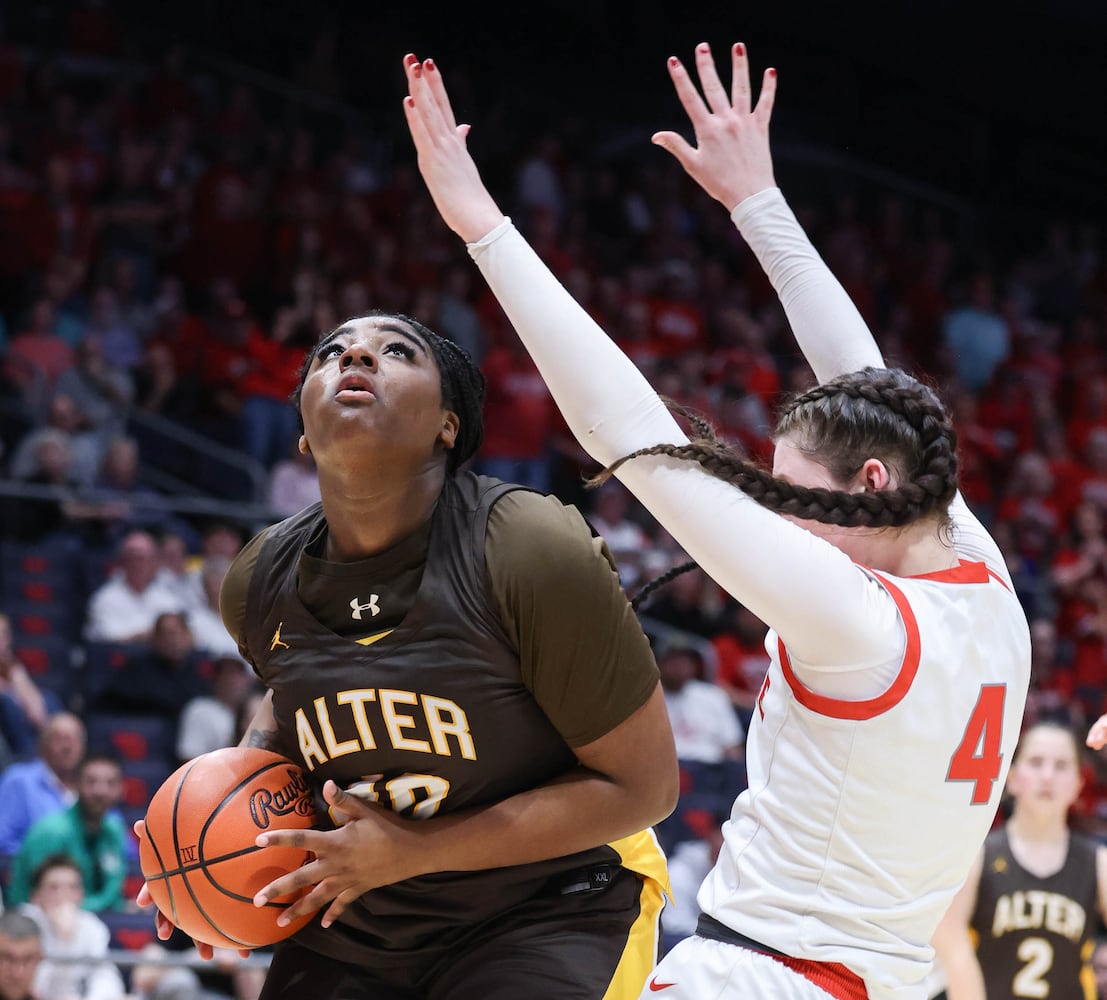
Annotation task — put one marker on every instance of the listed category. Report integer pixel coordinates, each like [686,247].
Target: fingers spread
[686,93]
[764,110]
[740,78]
[709,79]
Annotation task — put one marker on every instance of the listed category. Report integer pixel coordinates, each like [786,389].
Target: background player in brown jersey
[1024,923]
[459,651]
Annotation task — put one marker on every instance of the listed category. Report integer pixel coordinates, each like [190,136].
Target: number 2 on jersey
[978,758]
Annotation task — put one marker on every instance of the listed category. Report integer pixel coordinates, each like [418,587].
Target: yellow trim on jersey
[641,950]
[370,639]
[1087,973]
[640,852]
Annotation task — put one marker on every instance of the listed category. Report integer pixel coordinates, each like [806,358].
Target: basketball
[199,858]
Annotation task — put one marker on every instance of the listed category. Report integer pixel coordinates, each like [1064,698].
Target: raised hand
[731,158]
[372,847]
[450,174]
[1097,735]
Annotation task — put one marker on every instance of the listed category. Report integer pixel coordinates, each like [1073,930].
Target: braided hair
[840,424]
[462,384]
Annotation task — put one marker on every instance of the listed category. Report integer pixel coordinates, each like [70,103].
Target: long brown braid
[873,413]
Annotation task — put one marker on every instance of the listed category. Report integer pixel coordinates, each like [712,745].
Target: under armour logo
[359,608]
[277,639]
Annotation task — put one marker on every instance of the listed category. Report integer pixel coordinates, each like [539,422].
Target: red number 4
[977,757]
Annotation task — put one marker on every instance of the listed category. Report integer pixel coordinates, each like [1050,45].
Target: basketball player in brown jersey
[453,661]
[1023,924]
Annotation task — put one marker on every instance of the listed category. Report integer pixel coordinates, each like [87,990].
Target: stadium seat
[49,661]
[141,779]
[130,931]
[102,660]
[133,738]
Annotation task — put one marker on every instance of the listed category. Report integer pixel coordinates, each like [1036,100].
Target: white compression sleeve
[830,331]
[827,611]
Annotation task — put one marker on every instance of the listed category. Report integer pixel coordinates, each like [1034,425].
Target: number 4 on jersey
[978,758]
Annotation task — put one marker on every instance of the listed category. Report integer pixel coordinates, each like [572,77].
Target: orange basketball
[199,858]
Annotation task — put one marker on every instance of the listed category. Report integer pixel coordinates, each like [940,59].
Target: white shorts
[702,969]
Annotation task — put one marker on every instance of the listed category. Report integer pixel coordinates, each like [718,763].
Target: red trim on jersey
[837,708]
[833,977]
[964,572]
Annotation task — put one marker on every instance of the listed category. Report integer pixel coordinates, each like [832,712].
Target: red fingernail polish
[417,70]
[702,47]
[674,61]
[740,49]
[772,72]
[429,66]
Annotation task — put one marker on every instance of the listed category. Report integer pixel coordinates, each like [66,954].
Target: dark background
[1000,104]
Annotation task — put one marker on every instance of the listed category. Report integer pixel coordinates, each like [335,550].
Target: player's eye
[400,347]
[329,350]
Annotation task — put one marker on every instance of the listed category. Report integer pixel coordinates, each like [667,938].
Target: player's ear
[451,426]
[302,444]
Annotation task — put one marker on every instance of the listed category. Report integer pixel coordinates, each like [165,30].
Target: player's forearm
[578,812]
[607,403]
[830,331]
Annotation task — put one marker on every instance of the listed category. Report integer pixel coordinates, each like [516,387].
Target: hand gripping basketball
[198,849]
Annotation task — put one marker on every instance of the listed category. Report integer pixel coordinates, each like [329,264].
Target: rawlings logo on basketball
[294,797]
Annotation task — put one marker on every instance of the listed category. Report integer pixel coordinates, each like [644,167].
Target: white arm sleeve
[829,329]
[827,611]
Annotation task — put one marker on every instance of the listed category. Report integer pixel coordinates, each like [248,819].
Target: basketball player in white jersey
[900,656]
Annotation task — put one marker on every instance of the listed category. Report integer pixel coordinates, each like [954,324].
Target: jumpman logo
[357,609]
[277,639]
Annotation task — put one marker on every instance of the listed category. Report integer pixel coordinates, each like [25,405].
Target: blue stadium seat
[133,738]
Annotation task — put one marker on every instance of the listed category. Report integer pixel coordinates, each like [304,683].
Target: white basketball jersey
[862,819]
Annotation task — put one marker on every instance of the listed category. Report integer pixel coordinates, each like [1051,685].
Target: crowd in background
[174,240]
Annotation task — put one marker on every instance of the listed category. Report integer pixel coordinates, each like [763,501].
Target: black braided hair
[646,589]
[875,412]
[462,384]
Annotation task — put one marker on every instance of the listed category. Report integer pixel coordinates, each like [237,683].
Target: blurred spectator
[519,417]
[1093,483]
[23,707]
[85,446]
[161,679]
[1051,696]
[37,356]
[174,542]
[125,607]
[976,335]
[90,831]
[30,790]
[118,501]
[293,483]
[741,660]
[156,980]
[20,956]
[456,317]
[209,722]
[1031,493]
[1099,968]
[610,517]
[705,725]
[205,622]
[119,340]
[217,539]
[263,380]
[683,603]
[75,941]
[689,862]
[102,392]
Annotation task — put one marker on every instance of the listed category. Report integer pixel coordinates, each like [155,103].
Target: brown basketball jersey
[1034,935]
[428,716]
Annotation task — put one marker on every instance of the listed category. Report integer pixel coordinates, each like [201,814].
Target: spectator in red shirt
[518,418]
